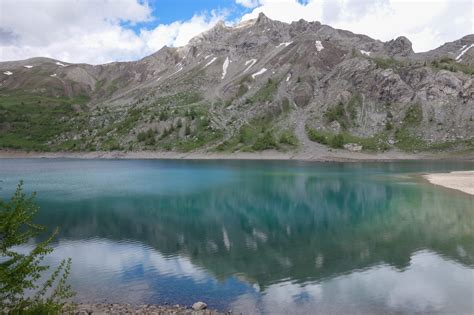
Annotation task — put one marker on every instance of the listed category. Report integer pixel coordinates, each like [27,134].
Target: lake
[271,237]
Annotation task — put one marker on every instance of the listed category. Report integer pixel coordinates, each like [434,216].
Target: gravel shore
[314,155]
[147,309]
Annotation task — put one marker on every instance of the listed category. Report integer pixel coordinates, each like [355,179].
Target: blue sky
[169,11]
[100,31]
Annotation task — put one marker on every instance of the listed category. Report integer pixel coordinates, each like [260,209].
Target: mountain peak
[220,24]
[400,46]
[263,19]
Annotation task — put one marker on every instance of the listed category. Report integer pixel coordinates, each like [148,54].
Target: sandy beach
[462,180]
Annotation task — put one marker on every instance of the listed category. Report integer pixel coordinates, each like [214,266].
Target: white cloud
[178,33]
[102,264]
[427,23]
[430,284]
[287,10]
[89,31]
[248,3]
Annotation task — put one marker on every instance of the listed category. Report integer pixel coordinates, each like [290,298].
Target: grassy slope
[31,121]
[42,123]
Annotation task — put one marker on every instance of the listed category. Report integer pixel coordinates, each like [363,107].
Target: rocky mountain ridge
[259,85]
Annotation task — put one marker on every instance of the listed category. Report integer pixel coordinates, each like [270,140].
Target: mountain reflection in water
[259,237]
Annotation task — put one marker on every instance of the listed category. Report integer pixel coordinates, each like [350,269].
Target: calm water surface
[258,237]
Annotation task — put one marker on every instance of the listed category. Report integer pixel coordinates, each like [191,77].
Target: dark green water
[258,237]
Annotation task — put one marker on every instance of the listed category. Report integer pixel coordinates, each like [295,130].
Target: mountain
[259,85]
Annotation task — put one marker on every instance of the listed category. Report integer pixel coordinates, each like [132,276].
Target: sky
[101,31]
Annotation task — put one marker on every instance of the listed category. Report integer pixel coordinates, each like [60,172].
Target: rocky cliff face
[259,85]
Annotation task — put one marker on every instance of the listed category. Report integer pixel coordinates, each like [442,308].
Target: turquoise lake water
[258,236]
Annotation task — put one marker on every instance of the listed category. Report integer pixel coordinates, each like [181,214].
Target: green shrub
[150,141]
[227,145]
[337,113]
[20,273]
[266,93]
[180,99]
[191,113]
[201,139]
[247,134]
[147,136]
[141,136]
[285,105]
[227,103]
[288,137]
[353,104]
[414,114]
[376,143]
[163,115]
[337,141]
[114,146]
[345,115]
[265,142]
[453,66]
[386,63]
[408,142]
[316,136]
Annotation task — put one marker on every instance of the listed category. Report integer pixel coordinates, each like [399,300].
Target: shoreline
[144,309]
[462,181]
[324,156]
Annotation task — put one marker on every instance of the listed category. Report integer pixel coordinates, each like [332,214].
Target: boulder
[198,306]
[303,94]
[353,147]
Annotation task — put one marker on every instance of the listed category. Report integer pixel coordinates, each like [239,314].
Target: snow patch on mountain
[8,73]
[463,51]
[210,62]
[28,67]
[61,64]
[284,44]
[251,62]
[319,46]
[365,52]
[225,65]
[180,68]
[262,71]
